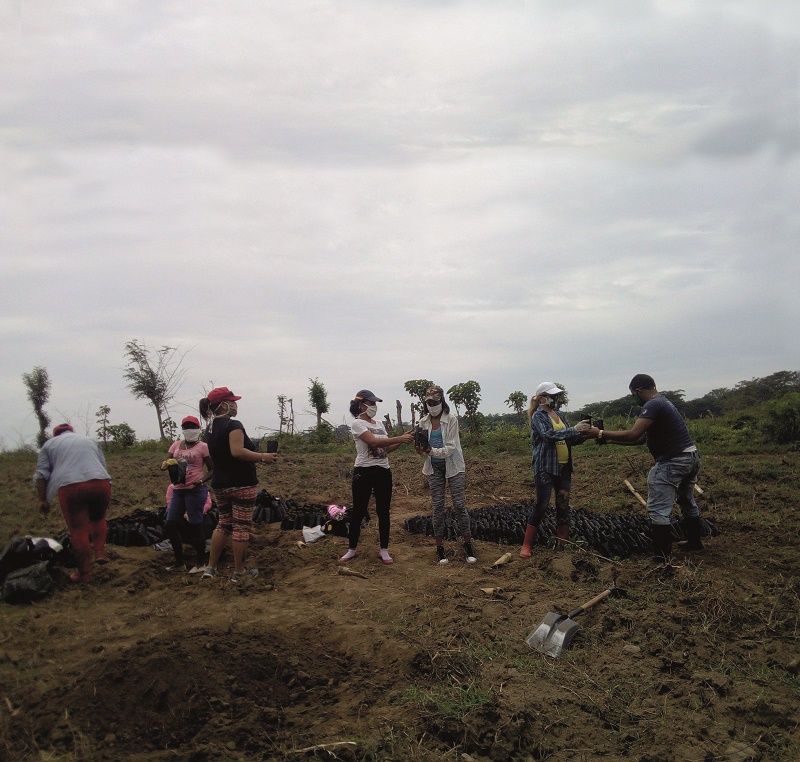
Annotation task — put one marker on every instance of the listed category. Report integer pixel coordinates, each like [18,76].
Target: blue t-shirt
[436,440]
[667,435]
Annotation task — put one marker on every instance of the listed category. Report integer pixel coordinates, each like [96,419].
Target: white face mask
[371,410]
[435,410]
[192,435]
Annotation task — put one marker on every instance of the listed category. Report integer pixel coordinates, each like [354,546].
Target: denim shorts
[671,481]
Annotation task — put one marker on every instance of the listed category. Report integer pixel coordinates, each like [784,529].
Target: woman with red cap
[371,474]
[73,467]
[189,495]
[234,481]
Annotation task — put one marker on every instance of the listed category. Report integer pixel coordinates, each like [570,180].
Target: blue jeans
[188,501]
[671,481]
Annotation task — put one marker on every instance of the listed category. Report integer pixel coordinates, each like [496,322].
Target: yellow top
[561,446]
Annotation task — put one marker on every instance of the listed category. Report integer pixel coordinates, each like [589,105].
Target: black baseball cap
[365,395]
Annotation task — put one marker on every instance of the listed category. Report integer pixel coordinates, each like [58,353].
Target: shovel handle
[586,606]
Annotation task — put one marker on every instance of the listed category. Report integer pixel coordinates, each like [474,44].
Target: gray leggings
[438,481]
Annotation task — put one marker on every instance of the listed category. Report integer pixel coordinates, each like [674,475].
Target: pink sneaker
[385,557]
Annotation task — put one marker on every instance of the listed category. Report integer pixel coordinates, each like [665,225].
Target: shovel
[556,631]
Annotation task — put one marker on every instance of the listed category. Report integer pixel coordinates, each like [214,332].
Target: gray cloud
[370,192]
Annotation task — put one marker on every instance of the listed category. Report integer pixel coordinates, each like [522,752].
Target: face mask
[435,410]
[546,401]
[371,411]
[229,412]
[191,435]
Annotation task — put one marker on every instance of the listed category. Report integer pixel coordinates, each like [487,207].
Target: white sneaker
[197,570]
[469,553]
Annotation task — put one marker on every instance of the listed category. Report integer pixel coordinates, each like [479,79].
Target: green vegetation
[753,416]
[38,385]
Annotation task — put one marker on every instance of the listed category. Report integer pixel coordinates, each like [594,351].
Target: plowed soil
[415,661]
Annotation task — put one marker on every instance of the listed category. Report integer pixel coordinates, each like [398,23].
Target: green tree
[749,393]
[565,396]
[517,401]
[122,435]
[171,428]
[37,382]
[318,397]
[783,419]
[417,389]
[102,418]
[468,394]
[154,376]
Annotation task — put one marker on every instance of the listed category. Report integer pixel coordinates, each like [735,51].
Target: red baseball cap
[190,419]
[61,428]
[220,394]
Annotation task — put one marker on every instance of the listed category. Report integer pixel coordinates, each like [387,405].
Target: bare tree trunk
[387,422]
[399,415]
[291,416]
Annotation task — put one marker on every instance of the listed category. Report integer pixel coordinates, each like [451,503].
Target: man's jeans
[672,481]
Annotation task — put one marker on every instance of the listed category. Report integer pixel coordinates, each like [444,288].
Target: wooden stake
[638,496]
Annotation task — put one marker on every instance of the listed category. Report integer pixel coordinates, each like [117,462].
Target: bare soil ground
[415,661]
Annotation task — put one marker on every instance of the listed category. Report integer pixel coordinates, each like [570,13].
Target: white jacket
[451,452]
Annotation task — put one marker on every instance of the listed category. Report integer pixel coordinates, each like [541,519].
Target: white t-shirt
[366,455]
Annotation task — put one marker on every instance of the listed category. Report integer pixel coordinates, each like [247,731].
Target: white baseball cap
[547,387]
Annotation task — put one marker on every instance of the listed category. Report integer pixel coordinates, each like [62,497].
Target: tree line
[157,375]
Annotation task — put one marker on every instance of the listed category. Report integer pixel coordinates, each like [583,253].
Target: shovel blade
[551,639]
[561,637]
[540,635]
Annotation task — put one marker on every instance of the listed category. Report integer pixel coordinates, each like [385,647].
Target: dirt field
[415,661]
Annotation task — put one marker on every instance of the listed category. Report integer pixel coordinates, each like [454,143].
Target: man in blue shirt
[674,474]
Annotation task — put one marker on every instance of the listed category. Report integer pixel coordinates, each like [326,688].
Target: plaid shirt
[543,439]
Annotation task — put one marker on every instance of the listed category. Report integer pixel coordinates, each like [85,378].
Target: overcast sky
[368,192]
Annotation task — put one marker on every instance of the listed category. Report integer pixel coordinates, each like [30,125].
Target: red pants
[84,507]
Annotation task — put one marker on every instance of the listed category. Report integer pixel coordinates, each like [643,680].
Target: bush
[122,435]
[783,420]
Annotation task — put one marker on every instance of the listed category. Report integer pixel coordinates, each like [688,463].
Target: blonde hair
[532,406]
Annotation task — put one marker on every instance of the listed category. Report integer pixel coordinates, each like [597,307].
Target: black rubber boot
[661,535]
[693,533]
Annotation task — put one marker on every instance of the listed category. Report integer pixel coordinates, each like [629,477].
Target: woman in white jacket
[444,465]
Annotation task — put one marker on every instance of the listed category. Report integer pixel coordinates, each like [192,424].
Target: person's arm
[544,427]
[41,491]
[209,464]
[41,477]
[636,435]
[387,443]
[240,452]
